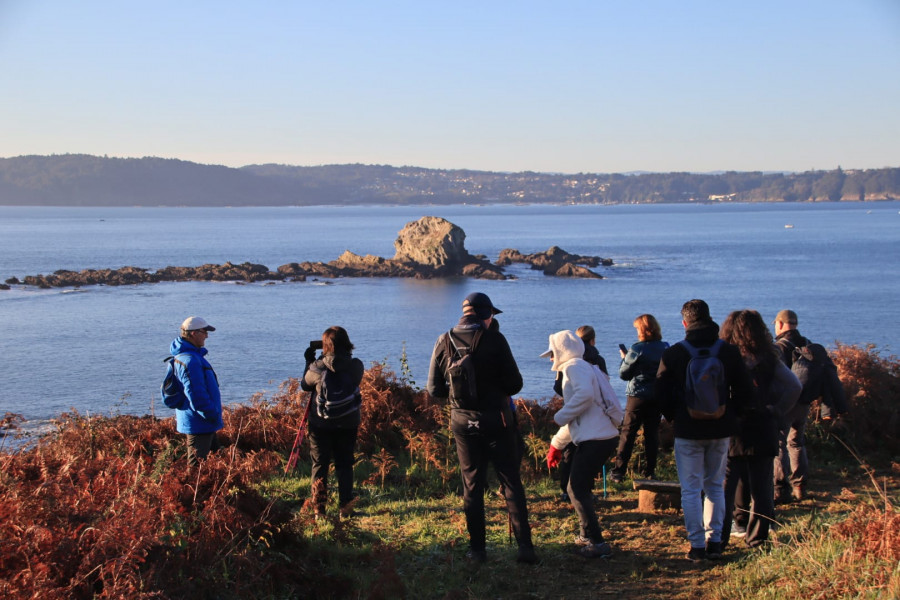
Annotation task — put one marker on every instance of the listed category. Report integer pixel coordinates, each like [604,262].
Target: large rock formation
[432,242]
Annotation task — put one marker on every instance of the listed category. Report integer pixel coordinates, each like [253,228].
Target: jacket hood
[704,333]
[565,346]
[180,345]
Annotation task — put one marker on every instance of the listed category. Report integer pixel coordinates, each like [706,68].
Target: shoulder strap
[695,352]
[469,349]
[689,347]
[785,341]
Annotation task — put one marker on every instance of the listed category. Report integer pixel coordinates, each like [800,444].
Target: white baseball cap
[195,323]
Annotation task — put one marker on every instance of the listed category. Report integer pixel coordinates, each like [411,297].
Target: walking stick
[298,441]
[604,481]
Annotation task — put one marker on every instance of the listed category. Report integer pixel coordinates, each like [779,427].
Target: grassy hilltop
[106,508]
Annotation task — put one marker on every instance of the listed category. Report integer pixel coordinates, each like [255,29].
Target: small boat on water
[789,226]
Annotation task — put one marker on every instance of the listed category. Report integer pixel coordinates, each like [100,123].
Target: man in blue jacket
[201,417]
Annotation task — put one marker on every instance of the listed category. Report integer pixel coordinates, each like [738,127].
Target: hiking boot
[696,554]
[601,550]
[580,540]
[527,555]
[738,530]
[477,556]
[713,550]
[798,493]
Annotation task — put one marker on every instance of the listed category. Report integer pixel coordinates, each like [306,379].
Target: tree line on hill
[84,180]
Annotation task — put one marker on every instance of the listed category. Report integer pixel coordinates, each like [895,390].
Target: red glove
[553,457]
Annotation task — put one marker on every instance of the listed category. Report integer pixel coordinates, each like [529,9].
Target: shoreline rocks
[429,248]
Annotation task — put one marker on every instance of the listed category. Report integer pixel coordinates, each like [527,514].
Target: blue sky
[595,86]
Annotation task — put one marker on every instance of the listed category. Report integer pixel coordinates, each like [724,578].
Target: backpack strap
[695,351]
[459,350]
[174,360]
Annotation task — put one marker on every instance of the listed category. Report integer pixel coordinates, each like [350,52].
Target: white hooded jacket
[591,410]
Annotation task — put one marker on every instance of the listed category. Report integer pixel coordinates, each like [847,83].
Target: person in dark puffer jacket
[333,422]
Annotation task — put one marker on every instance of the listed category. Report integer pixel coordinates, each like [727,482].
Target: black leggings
[325,446]
[587,461]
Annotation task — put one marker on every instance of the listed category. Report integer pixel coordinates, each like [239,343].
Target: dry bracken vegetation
[106,507]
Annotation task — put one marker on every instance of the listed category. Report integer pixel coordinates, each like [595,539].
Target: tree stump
[657,495]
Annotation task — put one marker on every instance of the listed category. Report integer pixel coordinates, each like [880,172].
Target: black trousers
[325,446]
[483,438]
[587,461]
[199,445]
[639,412]
[749,497]
[565,467]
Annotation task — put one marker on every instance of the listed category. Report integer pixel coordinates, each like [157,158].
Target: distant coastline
[74,180]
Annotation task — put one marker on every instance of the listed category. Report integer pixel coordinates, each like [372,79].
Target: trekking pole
[298,441]
[604,482]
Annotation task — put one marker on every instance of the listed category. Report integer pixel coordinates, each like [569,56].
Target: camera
[316,344]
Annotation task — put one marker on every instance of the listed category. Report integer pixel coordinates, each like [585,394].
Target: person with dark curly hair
[749,483]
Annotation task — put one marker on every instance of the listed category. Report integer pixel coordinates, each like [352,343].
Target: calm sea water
[99,349]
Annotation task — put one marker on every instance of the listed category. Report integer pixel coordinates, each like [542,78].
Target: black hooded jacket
[670,385]
[497,375]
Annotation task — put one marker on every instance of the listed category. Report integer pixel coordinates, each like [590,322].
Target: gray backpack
[705,389]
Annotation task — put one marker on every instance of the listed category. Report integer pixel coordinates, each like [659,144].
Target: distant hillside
[83,180]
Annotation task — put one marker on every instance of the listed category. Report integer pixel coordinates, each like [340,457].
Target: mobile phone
[623,348]
[316,344]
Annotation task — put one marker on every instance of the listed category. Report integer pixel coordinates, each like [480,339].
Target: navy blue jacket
[639,368]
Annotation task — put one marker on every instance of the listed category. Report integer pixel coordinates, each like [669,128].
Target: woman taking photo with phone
[638,368]
[334,415]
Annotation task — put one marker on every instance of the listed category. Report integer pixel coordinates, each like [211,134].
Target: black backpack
[461,372]
[809,363]
[337,395]
[172,390]
[705,389]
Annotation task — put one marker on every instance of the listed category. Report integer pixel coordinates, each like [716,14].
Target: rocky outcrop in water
[246,272]
[555,261]
[427,248]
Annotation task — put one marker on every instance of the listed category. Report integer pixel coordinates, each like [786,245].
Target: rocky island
[428,248]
